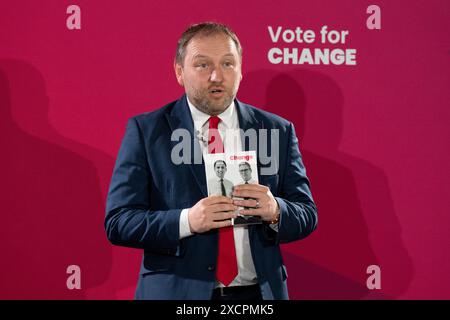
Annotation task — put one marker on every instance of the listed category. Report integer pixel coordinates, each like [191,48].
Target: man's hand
[209,212]
[262,201]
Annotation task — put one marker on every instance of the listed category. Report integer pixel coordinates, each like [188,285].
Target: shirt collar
[200,118]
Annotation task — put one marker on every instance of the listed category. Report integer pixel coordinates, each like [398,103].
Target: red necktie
[226,261]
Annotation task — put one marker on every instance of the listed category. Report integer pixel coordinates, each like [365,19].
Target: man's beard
[208,105]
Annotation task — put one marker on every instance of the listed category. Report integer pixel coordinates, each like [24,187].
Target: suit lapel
[180,118]
[247,121]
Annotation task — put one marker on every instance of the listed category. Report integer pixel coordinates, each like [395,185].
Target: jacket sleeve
[129,220]
[298,212]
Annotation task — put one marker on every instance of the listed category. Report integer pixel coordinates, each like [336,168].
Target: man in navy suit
[160,204]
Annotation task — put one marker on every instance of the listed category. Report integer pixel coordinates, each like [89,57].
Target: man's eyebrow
[201,56]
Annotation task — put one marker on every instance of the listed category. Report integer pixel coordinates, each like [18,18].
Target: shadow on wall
[357,223]
[53,193]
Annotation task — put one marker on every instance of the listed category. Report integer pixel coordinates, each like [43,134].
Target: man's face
[246,172]
[220,169]
[211,72]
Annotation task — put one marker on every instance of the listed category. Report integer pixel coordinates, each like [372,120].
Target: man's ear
[178,73]
[240,70]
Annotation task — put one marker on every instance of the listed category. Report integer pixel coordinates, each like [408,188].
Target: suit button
[211,268]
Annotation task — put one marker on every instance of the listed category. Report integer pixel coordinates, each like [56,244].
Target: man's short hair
[245,163]
[220,161]
[204,29]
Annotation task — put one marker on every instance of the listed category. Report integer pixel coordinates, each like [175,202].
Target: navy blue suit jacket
[148,192]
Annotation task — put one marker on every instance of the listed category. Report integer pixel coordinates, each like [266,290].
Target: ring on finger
[257,204]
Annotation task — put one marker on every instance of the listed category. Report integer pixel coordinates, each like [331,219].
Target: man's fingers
[217,199]
[224,215]
[252,212]
[248,194]
[221,207]
[221,224]
[246,203]
[251,186]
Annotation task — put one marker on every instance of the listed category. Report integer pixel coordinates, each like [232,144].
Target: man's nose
[216,75]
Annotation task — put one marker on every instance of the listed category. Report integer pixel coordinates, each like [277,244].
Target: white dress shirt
[215,186]
[229,131]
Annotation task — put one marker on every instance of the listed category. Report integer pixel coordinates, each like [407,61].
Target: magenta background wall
[375,138]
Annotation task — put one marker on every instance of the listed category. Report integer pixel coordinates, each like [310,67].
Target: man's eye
[228,64]
[202,65]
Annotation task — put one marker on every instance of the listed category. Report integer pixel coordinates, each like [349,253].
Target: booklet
[224,171]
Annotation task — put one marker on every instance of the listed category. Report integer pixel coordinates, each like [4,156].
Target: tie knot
[214,122]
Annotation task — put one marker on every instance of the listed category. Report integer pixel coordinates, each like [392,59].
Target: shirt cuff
[185,230]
